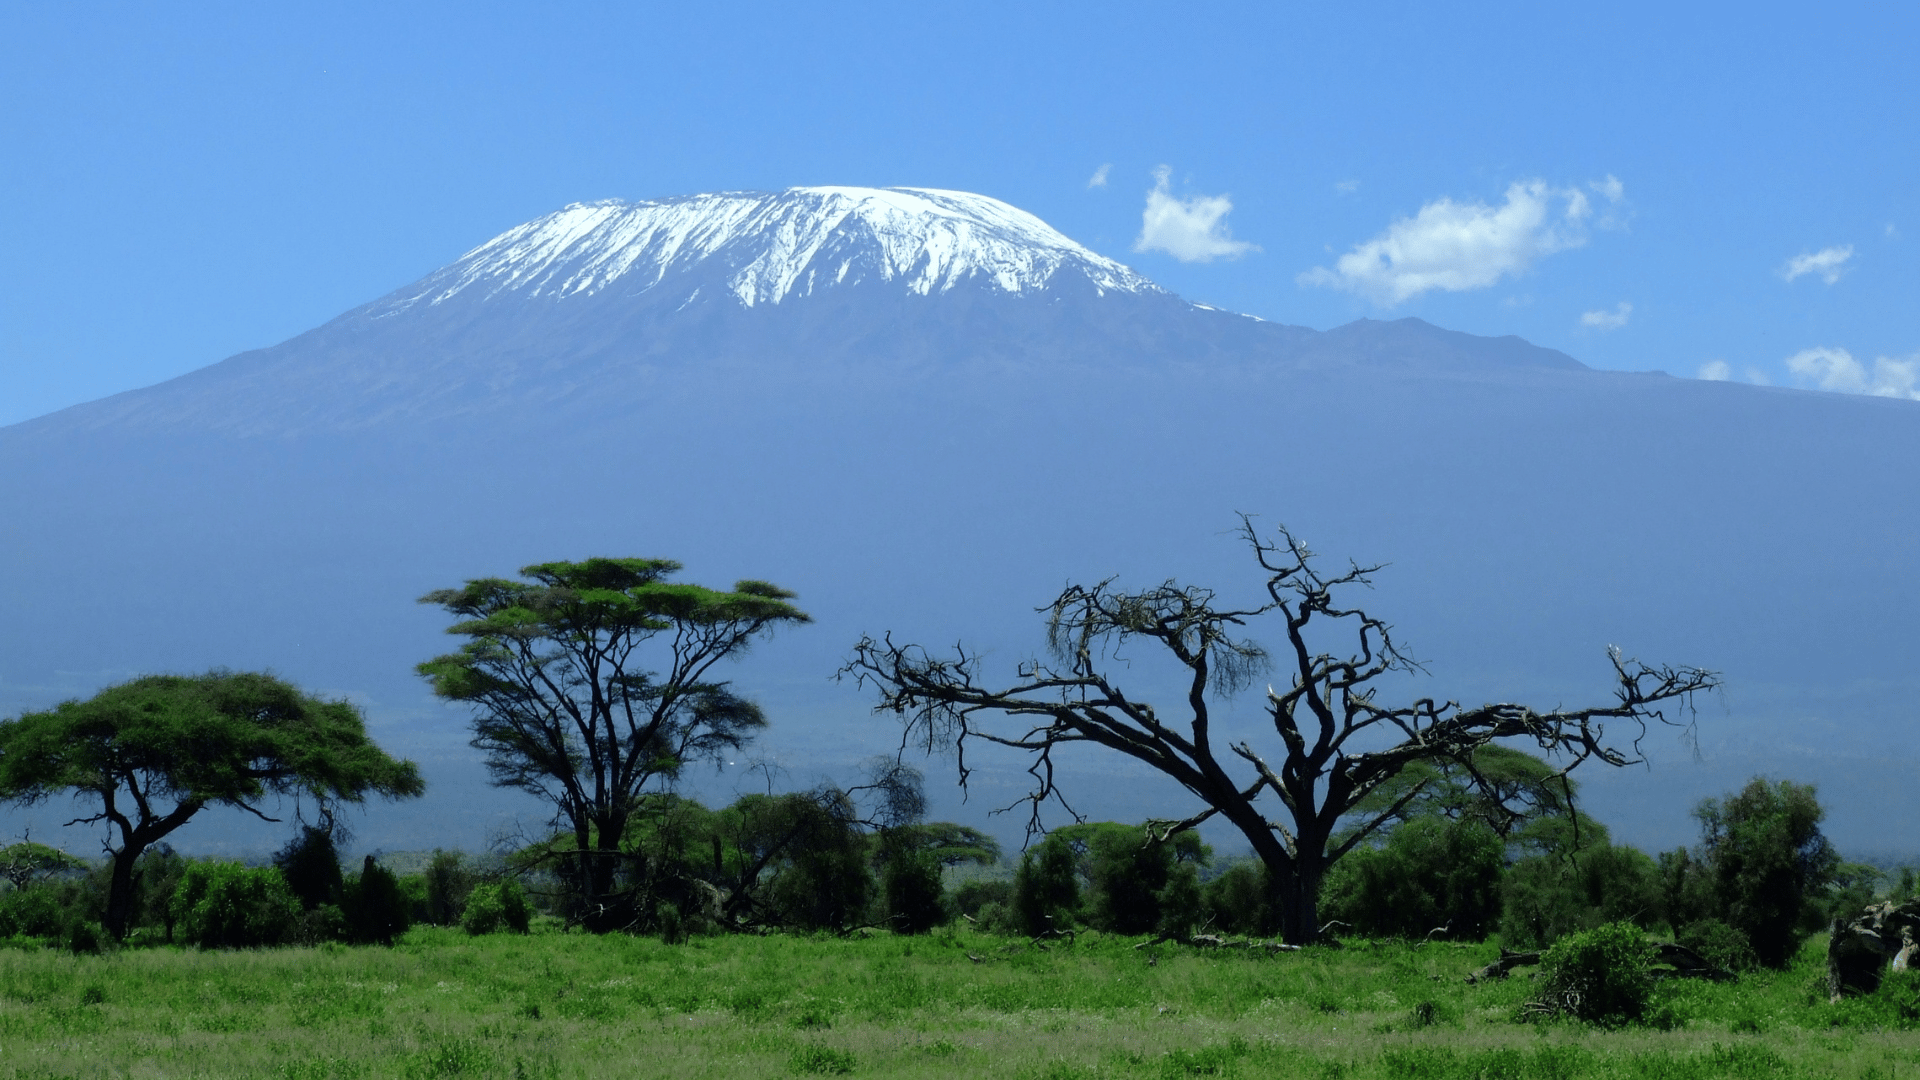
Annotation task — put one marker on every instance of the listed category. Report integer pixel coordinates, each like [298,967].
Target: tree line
[592,687]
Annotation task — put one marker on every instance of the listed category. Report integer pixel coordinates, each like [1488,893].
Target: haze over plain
[1777,535]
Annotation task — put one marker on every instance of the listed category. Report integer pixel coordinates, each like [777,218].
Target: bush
[971,898]
[913,892]
[1547,896]
[1046,893]
[375,906]
[311,866]
[493,907]
[1431,873]
[1719,944]
[449,882]
[230,906]
[1603,975]
[1237,901]
[35,911]
[1769,863]
[86,937]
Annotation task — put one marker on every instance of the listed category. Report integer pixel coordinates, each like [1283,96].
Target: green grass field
[570,1005]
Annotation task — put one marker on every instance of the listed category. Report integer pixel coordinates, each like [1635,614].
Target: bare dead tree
[1337,744]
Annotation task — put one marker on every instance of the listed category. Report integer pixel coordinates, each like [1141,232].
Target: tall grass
[444,1004]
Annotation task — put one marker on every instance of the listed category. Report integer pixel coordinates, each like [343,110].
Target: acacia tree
[158,750]
[1337,743]
[565,708]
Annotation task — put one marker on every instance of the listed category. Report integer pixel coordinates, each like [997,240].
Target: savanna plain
[442,1003]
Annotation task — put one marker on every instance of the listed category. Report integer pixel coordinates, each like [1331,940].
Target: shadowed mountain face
[926,411]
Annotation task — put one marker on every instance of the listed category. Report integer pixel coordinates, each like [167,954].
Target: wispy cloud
[1716,371]
[1608,320]
[1347,187]
[1836,369]
[1099,178]
[1456,246]
[1829,263]
[1191,230]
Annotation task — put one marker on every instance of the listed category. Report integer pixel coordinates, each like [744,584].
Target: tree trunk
[120,892]
[1297,896]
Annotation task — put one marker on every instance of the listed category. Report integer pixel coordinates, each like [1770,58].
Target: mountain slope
[933,447]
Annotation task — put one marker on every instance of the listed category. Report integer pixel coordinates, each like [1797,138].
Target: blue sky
[1632,183]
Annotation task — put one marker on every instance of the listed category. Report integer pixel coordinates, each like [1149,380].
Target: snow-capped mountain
[773,246]
[590,304]
[925,411]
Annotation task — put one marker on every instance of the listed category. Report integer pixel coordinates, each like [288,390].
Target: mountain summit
[588,306]
[762,248]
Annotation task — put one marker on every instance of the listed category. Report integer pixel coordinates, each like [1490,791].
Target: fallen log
[1507,962]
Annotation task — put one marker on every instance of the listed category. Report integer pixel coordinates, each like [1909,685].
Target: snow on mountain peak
[776,245]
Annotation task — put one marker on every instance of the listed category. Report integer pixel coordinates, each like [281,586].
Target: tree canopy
[157,750]
[1335,742]
[592,685]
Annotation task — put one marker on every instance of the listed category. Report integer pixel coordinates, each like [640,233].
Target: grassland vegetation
[443,1003]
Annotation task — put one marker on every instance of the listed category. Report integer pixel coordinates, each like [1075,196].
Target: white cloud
[1836,369]
[1758,377]
[1191,230]
[1716,371]
[1347,187]
[1829,263]
[1099,178]
[1611,188]
[1608,320]
[1459,246]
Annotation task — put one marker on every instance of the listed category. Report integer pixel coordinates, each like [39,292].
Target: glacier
[778,245]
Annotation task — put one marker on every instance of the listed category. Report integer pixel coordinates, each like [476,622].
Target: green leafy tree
[568,706]
[1576,881]
[913,859]
[1128,870]
[1432,874]
[1046,888]
[311,864]
[154,752]
[1334,738]
[1769,863]
[376,908]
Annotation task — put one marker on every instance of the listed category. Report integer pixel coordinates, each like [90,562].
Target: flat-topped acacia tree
[1335,743]
[591,684]
[156,751]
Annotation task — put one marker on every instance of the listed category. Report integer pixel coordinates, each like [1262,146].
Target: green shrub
[311,866]
[376,908]
[1603,975]
[86,937]
[1769,864]
[1719,944]
[1046,892]
[449,883]
[1431,873]
[970,898]
[230,906]
[1237,901]
[913,892]
[1546,896]
[324,923]
[35,911]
